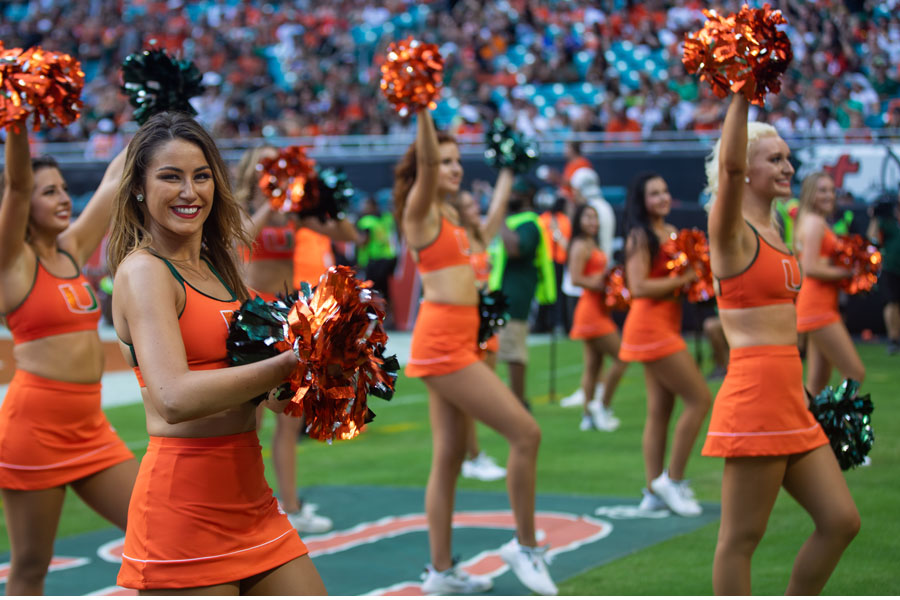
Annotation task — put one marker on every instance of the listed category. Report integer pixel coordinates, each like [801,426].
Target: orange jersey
[772,278]
[204,323]
[481,263]
[558,231]
[449,249]
[652,328]
[569,170]
[312,256]
[274,243]
[54,305]
[817,303]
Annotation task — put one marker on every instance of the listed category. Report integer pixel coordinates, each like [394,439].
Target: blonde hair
[755,131]
[246,177]
[808,192]
[222,228]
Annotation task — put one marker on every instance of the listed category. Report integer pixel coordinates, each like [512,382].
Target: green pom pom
[846,418]
[155,82]
[493,312]
[507,148]
[335,193]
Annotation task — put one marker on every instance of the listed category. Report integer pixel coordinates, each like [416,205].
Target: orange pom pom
[743,52]
[45,84]
[287,180]
[689,249]
[337,332]
[617,295]
[411,77]
[855,253]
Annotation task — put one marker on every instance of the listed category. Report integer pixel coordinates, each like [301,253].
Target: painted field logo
[562,532]
[387,552]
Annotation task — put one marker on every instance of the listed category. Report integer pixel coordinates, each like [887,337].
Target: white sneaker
[604,420]
[576,398]
[483,468]
[651,502]
[587,423]
[306,520]
[677,495]
[530,566]
[454,581]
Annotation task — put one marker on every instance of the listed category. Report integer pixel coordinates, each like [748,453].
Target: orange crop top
[773,277]
[596,262]
[481,262]
[274,243]
[451,248]
[203,322]
[54,305]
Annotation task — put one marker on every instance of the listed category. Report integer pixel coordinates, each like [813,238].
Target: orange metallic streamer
[286,180]
[44,84]
[744,52]
[336,332]
[412,75]
[617,296]
[689,249]
[855,253]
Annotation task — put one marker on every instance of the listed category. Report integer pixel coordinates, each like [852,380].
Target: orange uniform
[312,256]
[445,337]
[760,409]
[817,304]
[591,318]
[54,432]
[481,262]
[201,512]
[652,327]
[273,243]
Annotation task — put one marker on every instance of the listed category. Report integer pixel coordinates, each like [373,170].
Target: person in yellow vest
[523,269]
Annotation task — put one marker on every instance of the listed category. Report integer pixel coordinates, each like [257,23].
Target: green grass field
[395,451]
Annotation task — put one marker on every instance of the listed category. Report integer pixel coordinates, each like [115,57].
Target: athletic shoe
[651,502]
[603,417]
[306,520]
[587,423]
[893,347]
[576,398]
[677,495]
[530,566]
[454,581]
[483,468]
[867,462]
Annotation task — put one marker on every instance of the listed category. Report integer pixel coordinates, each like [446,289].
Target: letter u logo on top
[78,301]
[792,276]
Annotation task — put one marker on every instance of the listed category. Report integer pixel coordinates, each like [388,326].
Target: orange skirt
[53,433]
[202,514]
[652,330]
[591,319]
[444,339]
[760,409]
[817,305]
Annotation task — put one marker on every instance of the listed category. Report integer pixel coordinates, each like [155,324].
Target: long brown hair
[222,230]
[405,176]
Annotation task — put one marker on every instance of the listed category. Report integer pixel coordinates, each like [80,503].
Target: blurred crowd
[300,67]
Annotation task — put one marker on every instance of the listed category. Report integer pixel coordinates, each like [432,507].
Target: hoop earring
[139,198]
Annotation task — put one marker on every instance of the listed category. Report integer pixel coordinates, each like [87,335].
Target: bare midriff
[270,275]
[451,285]
[75,357]
[772,325]
[227,422]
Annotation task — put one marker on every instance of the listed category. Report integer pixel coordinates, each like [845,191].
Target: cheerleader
[591,322]
[53,433]
[828,342]
[760,422]
[444,353]
[652,335]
